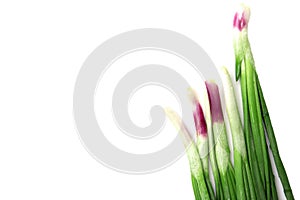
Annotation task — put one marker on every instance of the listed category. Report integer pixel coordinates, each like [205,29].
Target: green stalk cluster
[257,123]
[243,175]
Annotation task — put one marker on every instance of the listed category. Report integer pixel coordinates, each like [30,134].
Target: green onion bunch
[250,174]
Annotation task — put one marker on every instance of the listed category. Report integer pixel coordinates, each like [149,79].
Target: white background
[42,47]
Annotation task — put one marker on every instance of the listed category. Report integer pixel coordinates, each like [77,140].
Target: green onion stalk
[211,144]
[197,172]
[212,151]
[221,142]
[243,175]
[202,140]
[256,118]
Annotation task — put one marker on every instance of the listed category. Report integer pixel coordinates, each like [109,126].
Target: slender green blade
[254,120]
[246,168]
[258,185]
[273,145]
[246,183]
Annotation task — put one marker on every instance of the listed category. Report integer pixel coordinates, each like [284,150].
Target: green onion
[202,138]
[212,150]
[243,53]
[221,143]
[243,175]
[256,118]
[252,175]
[197,173]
